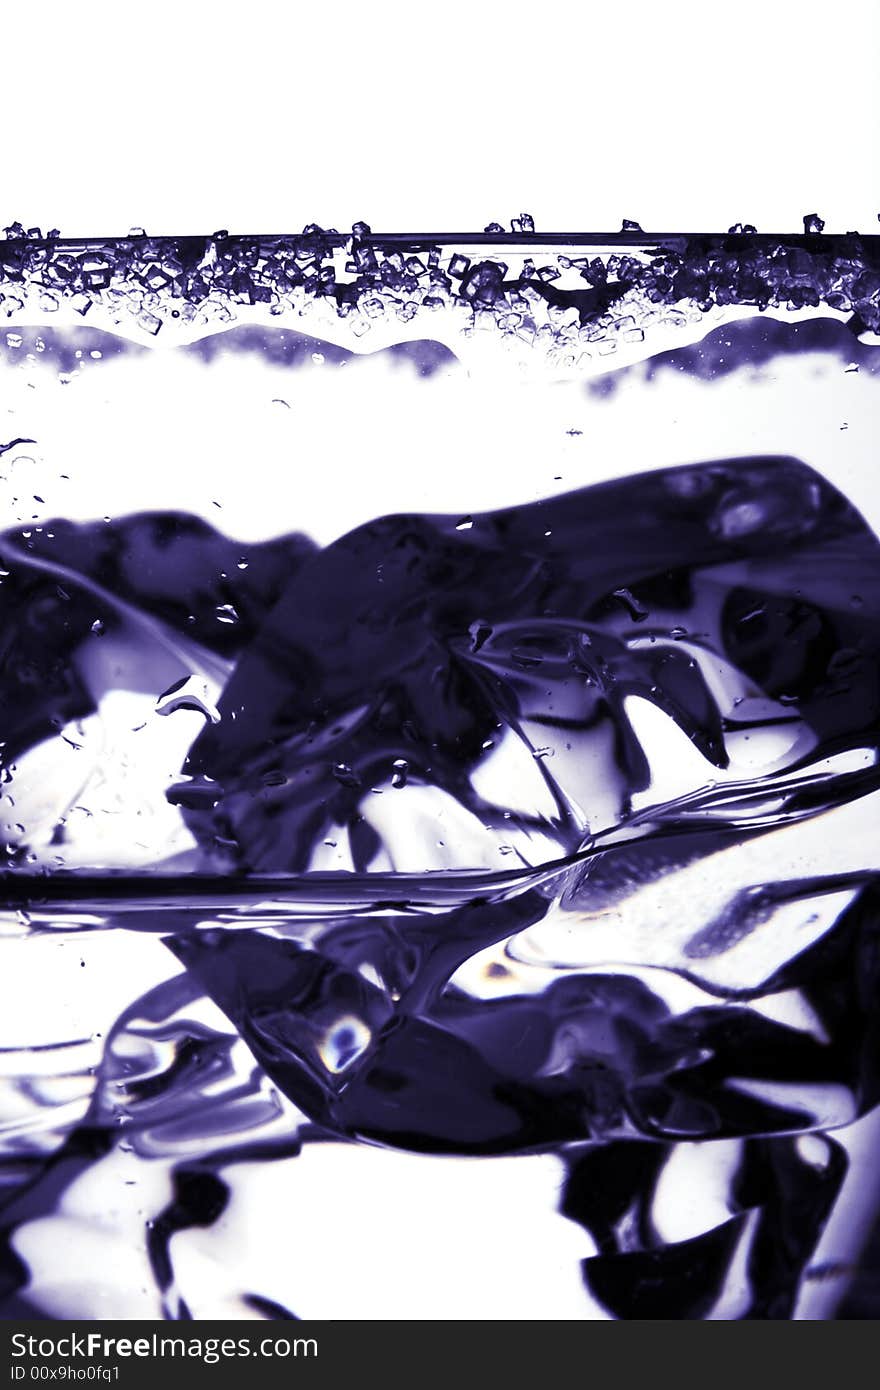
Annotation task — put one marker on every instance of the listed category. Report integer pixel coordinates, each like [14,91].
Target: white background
[184,117]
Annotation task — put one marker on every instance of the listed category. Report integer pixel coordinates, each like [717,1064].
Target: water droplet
[465,524]
[225,613]
[400,773]
[98,627]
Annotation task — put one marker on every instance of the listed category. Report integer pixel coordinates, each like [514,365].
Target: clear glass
[439,754]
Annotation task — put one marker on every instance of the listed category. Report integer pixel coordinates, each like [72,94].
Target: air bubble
[344,1043]
[346,775]
[741,519]
[189,693]
[274,778]
[637,611]
[479,633]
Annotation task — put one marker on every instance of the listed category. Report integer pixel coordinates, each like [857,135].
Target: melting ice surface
[520,850]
